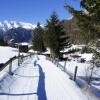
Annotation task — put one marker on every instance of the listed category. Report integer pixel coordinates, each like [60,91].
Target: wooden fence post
[22,58]
[57,64]
[55,61]
[18,61]
[10,67]
[65,65]
[75,73]
[30,55]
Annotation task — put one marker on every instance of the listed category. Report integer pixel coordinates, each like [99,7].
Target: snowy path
[24,86]
[41,82]
[57,83]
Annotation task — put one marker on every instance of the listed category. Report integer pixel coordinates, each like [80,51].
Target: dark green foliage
[86,49]
[2,42]
[89,24]
[88,18]
[97,58]
[1,66]
[23,48]
[55,38]
[38,44]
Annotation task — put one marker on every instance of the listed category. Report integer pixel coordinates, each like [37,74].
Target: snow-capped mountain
[18,35]
[18,31]
[6,25]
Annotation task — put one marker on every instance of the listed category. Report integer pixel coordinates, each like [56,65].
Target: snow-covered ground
[82,67]
[7,52]
[84,72]
[41,82]
[44,81]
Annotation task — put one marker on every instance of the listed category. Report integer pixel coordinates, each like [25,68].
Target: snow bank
[6,53]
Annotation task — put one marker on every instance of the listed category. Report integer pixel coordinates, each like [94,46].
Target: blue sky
[34,11]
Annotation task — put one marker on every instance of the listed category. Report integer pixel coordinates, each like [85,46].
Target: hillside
[72,30]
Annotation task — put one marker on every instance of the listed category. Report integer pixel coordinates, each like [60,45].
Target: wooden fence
[63,68]
[19,59]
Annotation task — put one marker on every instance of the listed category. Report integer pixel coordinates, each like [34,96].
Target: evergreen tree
[38,44]
[88,18]
[89,23]
[55,37]
[2,42]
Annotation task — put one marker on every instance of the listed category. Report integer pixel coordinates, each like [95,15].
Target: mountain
[6,25]
[16,31]
[18,35]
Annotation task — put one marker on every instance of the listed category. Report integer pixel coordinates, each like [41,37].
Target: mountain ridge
[6,25]
[16,30]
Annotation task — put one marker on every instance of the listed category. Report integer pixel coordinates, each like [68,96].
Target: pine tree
[88,18]
[55,37]
[38,44]
[89,23]
[2,42]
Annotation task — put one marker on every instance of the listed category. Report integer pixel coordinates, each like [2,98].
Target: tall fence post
[10,67]
[30,55]
[75,73]
[22,58]
[18,61]
[57,62]
[65,65]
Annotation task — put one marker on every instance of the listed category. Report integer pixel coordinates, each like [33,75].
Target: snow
[73,47]
[58,85]
[31,51]
[83,68]
[83,72]
[8,25]
[86,56]
[6,53]
[41,82]
[27,25]
[14,24]
[24,43]
[40,79]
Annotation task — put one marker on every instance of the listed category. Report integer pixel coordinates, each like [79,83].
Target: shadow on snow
[41,85]
[12,94]
[40,90]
